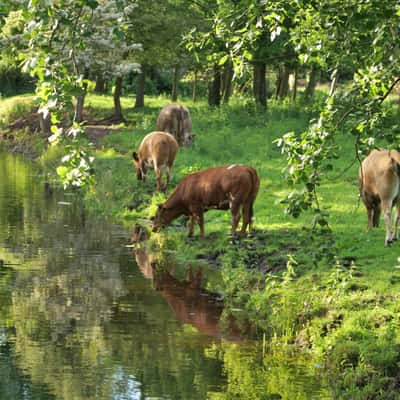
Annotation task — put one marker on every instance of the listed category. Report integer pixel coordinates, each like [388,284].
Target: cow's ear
[135,156]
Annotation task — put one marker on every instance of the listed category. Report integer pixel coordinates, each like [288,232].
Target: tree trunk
[141,79]
[259,85]
[284,83]
[293,85]
[80,100]
[194,95]
[214,88]
[312,84]
[334,82]
[100,86]
[227,77]
[45,124]
[278,84]
[117,100]
[174,96]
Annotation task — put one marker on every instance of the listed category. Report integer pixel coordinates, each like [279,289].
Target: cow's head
[159,218]
[189,139]
[139,166]
[162,218]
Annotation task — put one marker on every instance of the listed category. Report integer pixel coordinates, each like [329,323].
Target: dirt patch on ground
[31,122]
[95,129]
[96,132]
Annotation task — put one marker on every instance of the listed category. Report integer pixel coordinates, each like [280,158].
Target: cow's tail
[396,165]
[179,132]
[255,186]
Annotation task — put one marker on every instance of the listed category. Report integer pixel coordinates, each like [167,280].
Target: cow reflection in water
[190,303]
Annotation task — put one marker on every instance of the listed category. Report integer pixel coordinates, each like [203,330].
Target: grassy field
[335,292]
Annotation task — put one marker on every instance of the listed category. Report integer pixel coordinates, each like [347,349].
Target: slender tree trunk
[334,82]
[278,84]
[174,96]
[259,85]
[311,84]
[227,77]
[214,88]
[194,94]
[80,100]
[284,84]
[293,85]
[100,85]
[117,100]
[141,79]
[45,124]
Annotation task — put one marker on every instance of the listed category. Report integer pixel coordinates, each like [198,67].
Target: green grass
[15,107]
[336,293]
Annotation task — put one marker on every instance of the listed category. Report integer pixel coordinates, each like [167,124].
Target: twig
[382,99]
[343,171]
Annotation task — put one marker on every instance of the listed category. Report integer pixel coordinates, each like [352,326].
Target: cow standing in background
[175,119]
[233,187]
[379,176]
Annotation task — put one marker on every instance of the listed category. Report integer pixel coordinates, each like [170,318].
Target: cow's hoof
[388,243]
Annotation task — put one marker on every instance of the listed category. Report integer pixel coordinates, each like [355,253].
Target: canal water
[85,316]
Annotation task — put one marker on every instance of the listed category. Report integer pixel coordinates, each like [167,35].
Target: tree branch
[382,99]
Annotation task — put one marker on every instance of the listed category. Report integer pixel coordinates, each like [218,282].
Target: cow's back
[213,185]
[160,146]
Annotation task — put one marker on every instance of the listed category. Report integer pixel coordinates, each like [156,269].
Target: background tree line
[174,47]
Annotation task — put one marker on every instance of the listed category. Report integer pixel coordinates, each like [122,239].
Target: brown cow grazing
[379,177]
[158,149]
[175,119]
[221,188]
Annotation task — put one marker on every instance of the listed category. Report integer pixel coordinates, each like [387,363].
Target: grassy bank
[335,293]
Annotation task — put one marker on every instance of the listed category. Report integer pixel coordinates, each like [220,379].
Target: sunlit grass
[15,107]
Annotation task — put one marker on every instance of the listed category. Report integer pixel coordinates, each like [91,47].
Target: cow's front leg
[158,177]
[191,224]
[200,220]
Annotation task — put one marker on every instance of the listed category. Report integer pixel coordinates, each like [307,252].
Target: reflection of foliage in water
[275,376]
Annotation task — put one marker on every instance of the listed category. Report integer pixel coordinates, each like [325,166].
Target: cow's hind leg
[397,220]
[246,211]
[168,176]
[158,172]
[235,210]
[376,215]
[387,213]
[370,214]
